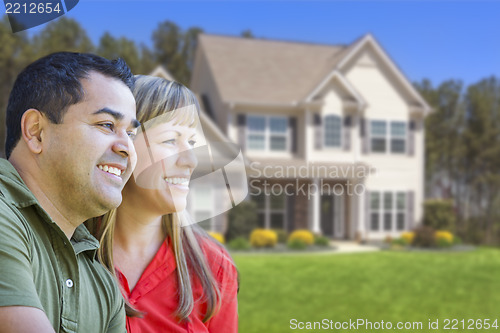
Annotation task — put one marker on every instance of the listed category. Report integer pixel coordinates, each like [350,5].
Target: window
[277,211]
[271,210]
[390,208]
[260,200]
[256,133]
[278,133]
[267,133]
[375,211]
[332,131]
[388,205]
[398,137]
[380,136]
[400,211]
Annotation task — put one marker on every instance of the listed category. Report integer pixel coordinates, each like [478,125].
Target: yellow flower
[408,236]
[263,238]
[444,235]
[304,235]
[218,236]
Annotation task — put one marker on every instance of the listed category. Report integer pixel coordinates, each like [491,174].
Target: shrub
[242,219]
[400,241]
[321,241]
[217,236]
[239,243]
[305,235]
[443,238]
[439,214]
[424,237]
[408,236]
[282,235]
[296,244]
[263,238]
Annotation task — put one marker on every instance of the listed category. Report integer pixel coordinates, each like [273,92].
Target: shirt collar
[13,187]
[18,194]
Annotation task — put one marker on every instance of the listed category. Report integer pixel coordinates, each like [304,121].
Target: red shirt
[155,294]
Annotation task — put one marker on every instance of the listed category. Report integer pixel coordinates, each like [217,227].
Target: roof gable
[249,71]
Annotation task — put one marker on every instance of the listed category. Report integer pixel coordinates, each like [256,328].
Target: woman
[174,277]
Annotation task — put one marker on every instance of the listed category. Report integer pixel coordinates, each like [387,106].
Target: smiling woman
[174,277]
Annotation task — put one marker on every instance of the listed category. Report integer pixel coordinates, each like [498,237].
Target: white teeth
[177,181]
[109,169]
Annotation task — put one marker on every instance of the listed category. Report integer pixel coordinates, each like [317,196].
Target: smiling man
[70,119]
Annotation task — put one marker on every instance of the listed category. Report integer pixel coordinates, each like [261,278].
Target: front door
[332,221]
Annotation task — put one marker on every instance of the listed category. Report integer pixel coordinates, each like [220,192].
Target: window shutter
[318,132]
[290,213]
[411,137]
[365,136]
[347,133]
[241,124]
[410,211]
[367,211]
[292,123]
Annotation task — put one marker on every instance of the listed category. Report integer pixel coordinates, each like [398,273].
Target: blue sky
[427,39]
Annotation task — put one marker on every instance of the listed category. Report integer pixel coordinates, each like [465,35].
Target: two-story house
[333,135]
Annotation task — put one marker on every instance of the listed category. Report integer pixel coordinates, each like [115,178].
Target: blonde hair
[157,97]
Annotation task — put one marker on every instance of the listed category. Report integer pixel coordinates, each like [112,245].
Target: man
[70,119]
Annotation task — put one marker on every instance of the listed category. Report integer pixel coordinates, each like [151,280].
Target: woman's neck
[136,231]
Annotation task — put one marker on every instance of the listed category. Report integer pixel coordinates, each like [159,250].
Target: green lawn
[389,286]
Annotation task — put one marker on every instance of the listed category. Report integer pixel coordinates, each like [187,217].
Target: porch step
[349,246]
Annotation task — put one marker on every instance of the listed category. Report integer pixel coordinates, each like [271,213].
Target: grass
[389,286]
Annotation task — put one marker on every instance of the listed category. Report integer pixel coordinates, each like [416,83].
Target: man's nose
[123,145]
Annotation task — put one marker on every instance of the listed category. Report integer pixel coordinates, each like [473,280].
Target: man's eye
[109,126]
[192,142]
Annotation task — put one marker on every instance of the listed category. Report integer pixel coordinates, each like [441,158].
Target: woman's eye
[169,142]
[132,135]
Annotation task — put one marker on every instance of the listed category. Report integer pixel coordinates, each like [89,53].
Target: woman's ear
[31,130]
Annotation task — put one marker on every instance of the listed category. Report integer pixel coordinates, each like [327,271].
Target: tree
[63,34]
[16,54]
[247,34]
[175,49]
[482,150]
[112,48]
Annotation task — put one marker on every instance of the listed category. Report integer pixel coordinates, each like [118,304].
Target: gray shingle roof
[265,71]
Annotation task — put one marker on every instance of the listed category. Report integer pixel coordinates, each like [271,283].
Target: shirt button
[69,283]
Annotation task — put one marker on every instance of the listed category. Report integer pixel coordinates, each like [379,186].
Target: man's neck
[64,220]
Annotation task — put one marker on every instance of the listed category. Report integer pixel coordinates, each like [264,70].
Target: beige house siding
[359,83]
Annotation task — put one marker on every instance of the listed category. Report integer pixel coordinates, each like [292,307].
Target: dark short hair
[52,84]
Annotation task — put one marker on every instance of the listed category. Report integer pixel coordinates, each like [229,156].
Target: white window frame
[267,211]
[400,137]
[378,136]
[341,131]
[388,136]
[381,210]
[268,134]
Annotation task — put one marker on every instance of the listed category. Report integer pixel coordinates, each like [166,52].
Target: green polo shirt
[41,268]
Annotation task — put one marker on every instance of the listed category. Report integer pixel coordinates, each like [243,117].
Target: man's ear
[32,123]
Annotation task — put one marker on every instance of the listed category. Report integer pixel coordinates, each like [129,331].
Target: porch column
[314,207]
[361,200]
